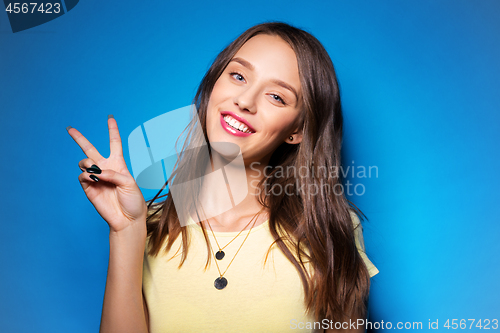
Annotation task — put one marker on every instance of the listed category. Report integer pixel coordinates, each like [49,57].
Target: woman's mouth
[234,127]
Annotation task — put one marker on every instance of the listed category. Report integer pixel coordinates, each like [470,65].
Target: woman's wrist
[133,230]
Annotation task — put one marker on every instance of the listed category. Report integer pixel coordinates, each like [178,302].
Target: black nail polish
[94,178]
[94,169]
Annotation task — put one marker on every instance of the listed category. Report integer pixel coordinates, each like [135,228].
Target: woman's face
[260,90]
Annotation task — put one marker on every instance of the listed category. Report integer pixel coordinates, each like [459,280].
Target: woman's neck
[229,195]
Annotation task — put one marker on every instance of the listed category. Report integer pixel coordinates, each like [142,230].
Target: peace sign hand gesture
[108,184]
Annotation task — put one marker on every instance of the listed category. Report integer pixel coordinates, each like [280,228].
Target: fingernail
[94,169]
[68,128]
[94,178]
[110,116]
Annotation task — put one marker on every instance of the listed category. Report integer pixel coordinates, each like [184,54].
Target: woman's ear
[295,137]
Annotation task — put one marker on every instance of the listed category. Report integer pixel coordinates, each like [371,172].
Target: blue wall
[420,89]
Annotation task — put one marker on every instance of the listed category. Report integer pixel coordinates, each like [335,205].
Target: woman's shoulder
[360,244]
[354,218]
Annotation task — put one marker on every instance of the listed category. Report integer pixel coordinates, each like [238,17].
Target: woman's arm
[112,190]
[123,307]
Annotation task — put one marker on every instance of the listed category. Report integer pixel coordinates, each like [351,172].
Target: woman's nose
[246,99]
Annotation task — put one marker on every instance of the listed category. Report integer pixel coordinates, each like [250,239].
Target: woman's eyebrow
[275,81]
[286,86]
[244,63]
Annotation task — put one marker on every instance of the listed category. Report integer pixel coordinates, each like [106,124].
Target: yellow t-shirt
[257,298]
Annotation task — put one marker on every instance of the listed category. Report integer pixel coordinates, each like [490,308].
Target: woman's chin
[226,149]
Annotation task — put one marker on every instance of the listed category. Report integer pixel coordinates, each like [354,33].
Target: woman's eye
[278,99]
[238,76]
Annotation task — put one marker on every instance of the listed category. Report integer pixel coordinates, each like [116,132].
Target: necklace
[221,281]
[220,254]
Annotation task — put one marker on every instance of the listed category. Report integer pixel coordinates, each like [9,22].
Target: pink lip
[241,120]
[231,130]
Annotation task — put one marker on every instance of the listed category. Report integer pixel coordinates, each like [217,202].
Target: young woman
[286,256]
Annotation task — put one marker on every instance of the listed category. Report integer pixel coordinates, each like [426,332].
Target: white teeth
[236,124]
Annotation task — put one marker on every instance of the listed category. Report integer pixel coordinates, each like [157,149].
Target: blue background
[420,89]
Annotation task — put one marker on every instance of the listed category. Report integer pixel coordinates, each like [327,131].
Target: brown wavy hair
[320,225]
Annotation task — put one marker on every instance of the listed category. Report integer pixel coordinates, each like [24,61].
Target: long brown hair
[320,225]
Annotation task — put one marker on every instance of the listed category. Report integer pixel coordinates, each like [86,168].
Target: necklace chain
[222,248]
[222,274]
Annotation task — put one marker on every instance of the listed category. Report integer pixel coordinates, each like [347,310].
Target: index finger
[115,141]
[85,145]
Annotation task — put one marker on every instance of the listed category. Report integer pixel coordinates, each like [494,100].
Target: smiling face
[259,93]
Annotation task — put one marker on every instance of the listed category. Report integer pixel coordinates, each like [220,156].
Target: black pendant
[220,283]
[219,255]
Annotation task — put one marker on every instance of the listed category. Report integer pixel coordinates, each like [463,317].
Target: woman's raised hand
[110,187]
